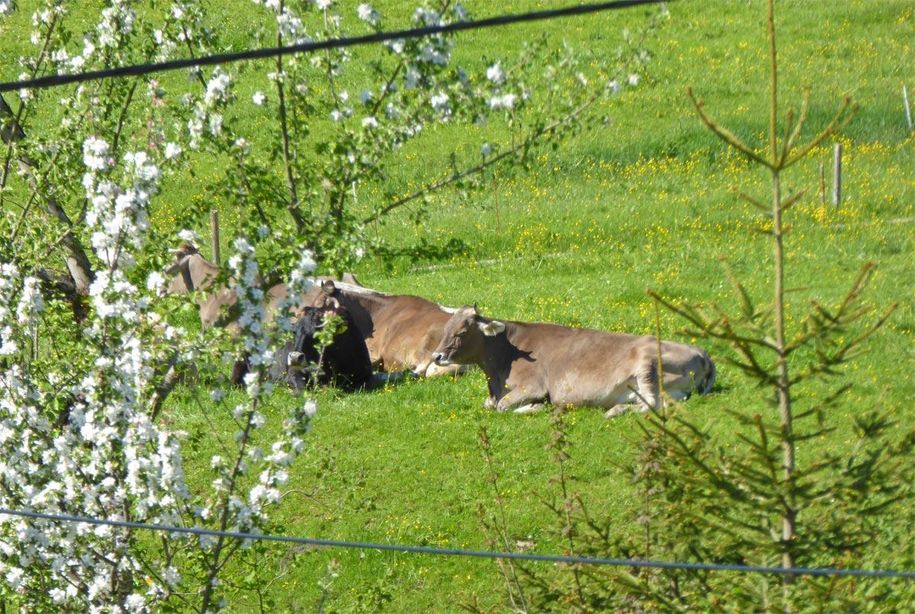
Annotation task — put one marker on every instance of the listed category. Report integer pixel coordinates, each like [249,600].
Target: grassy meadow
[645,202]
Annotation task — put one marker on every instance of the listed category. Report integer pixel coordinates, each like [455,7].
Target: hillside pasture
[644,202]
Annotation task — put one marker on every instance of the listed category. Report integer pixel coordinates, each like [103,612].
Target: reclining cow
[300,362]
[192,272]
[528,364]
[401,331]
[344,363]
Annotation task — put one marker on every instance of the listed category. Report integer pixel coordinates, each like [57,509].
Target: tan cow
[527,364]
[192,272]
[401,331]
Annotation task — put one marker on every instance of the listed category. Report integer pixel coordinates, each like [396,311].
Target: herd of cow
[526,364]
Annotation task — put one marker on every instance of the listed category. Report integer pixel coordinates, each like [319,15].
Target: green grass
[642,203]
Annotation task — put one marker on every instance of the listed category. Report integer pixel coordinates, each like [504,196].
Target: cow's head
[312,320]
[464,337]
[190,271]
[303,347]
[328,299]
[345,298]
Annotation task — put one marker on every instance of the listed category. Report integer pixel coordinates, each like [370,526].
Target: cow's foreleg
[434,370]
[530,408]
[647,391]
[516,397]
[616,410]
[643,396]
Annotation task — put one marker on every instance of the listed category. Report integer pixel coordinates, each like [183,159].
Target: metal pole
[908,110]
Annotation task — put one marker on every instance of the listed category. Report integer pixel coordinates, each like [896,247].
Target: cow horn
[349,278]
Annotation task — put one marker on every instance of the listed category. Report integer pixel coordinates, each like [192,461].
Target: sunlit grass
[645,202]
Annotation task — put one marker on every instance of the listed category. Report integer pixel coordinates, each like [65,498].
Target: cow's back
[577,366]
[406,331]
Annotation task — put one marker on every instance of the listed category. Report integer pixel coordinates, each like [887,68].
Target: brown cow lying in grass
[527,364]
[401,331]
[192,272]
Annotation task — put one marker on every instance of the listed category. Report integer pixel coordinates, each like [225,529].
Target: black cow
[344,363]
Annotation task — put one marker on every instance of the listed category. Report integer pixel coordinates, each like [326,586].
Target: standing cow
[527,364]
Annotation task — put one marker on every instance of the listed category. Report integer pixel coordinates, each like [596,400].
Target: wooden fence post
[837,175]
[214,236]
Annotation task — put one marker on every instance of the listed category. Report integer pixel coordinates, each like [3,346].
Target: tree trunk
[75,257]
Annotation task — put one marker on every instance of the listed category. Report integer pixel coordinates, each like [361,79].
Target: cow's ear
[491,328]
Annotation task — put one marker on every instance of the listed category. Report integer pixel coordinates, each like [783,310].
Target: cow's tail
[705,386]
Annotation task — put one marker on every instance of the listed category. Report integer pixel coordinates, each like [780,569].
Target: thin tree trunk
[783,382]
[77,262]
[783,392]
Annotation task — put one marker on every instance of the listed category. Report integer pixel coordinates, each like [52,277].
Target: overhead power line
[485,554]
[135,70]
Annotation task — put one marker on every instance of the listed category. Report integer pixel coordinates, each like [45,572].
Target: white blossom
[440,102]
[135,603]
[95,154]
[633,79]
[30,302]
[289,25]
[217,89]
[368,14]
[411,78]
[495,74]
[156,282]
[215,124]
[397,45]
[369,122]
[259,98]
[172,151]
[506,101]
